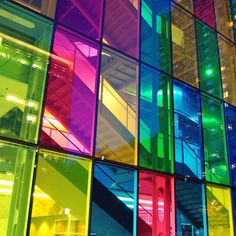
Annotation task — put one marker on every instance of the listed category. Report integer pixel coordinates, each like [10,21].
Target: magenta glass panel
[204,10]
[69,113]
[121,25]
[81,15]
[156,208]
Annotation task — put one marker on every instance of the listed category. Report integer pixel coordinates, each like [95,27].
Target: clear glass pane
[117,108]
[61,195]
[113,201]
[16,172]
[156,134]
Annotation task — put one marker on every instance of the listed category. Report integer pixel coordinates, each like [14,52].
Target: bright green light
[209,71]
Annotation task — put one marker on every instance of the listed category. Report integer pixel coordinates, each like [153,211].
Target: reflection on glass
[191,209]
[113,201]
[208,60]
[24,37]
[228,69]
[187,4]
[84,16]
[156,134]
[155,34]
[121,25]
[117,112]
[204,10]
[233,13]
[230,118]
[16,172]
[224,21]
[44,7]
[215,150]
[61,195]
[156,209]
[184,55]
[69,115]
[219,211]
[188,134]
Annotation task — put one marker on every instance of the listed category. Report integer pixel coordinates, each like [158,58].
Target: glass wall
[61,195]
[155,135]
[16,172]
[188,131]
[156,205]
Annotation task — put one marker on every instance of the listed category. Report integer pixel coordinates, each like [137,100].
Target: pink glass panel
[81,15]
[69,115]
[156,210]
[204,10]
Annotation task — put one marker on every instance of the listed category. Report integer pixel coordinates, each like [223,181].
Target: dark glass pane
[156,211]
[113,201]
[188,131]
[156,134]
[191,209]
[155,34]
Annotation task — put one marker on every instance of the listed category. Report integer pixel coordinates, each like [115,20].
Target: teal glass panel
[233,15]
[191,204]
[188,131]
[114,201]
[215,151]
[156,135]
[155,34]
[24,43]
[208,60]
[16,172]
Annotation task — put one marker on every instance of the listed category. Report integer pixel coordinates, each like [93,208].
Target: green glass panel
[61,195]
[24,37]
[208,60]
[16,171]
[156,135]
[155,34]
[219,211]
[215,151]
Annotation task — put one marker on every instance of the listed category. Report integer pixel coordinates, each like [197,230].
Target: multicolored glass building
[117,117]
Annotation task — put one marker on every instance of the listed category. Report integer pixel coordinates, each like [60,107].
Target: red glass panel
[156,211]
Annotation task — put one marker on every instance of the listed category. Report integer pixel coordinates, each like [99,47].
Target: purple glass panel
[121,25]
[69,114]
[204,10]
[81,15]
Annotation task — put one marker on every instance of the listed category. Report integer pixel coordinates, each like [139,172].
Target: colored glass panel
[215,151]
[113,201]
[120,28]
[16,172]
[69,115]
[117,113]
[233,15]
[230,116]
[187,4]
[24,37]
[191,205]
[44,7]
[155,34]
[188,131]
[228,69]
[156,205]
[233,198]
[184,55]
[208,60]
[61,195]
[204,10]
[224,21]
[219,211]
[84,16]
[156,135]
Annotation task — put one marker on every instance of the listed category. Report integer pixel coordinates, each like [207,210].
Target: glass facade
[117,117]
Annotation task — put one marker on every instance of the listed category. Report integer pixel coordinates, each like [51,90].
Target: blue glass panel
[190,209]
[113,201]
[233,199]
[188,131]
[155,34]
[230,116]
